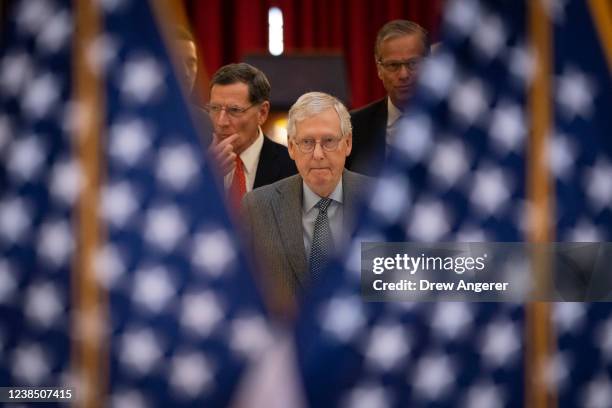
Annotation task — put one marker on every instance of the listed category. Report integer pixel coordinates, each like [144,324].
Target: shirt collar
[393,113]
[250,155]
[311,198]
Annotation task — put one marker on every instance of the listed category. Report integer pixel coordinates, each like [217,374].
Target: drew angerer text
[425,285]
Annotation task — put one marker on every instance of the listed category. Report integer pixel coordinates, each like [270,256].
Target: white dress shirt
[250,160]
[393,122]
[335,215]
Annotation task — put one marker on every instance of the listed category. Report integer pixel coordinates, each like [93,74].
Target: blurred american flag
[178,315]
[581,164]
[460,171]
[183,318]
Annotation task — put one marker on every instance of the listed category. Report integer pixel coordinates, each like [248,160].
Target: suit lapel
[267,168]
[287,208]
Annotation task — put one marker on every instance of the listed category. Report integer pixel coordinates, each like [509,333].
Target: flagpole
[601,13]
[90,358]
[539,340]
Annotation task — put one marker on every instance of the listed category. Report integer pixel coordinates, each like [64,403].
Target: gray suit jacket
[273,218]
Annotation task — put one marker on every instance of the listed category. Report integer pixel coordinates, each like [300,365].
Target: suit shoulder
[368,110]
[281,154]
[260,194]
[267,192]
[359,178]
[274,146]
[280,151]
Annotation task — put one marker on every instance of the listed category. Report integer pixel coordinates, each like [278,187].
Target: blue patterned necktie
[322,241]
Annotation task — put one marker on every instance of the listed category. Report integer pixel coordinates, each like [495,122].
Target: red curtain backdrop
[226,30]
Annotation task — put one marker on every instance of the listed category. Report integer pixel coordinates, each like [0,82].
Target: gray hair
[398,28]
[313,103]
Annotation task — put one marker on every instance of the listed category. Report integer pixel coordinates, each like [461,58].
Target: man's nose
[404,71]
[318,153]
[222,117]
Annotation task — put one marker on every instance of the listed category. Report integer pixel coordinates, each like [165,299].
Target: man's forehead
[410,43]
[236,90]
[327,121]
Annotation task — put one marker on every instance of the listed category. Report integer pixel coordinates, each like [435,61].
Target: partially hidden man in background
[400,48]
[296,223]
[239,105]
[185,55]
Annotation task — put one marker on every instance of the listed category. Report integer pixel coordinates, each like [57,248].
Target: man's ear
[349,144]
[379,71]
[291,149]
[262,114]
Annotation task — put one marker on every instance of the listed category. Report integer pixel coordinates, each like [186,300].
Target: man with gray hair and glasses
[400,48]
[296,223]
[238,107]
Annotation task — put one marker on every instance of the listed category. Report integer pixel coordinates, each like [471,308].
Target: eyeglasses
[233,111]
[329,144]
[394,66]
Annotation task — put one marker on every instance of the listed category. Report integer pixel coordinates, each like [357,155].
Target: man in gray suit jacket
[295,223]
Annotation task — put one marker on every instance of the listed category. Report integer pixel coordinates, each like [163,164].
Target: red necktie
[237,189]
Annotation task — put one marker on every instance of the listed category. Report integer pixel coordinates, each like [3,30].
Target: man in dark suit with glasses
[239,105]
[400,48]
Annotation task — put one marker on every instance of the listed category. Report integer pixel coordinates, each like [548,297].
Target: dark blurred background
[302,45]
[229,30]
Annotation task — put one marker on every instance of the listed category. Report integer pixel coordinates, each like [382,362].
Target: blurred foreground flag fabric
[506,139]
[120,274]
[581,165]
